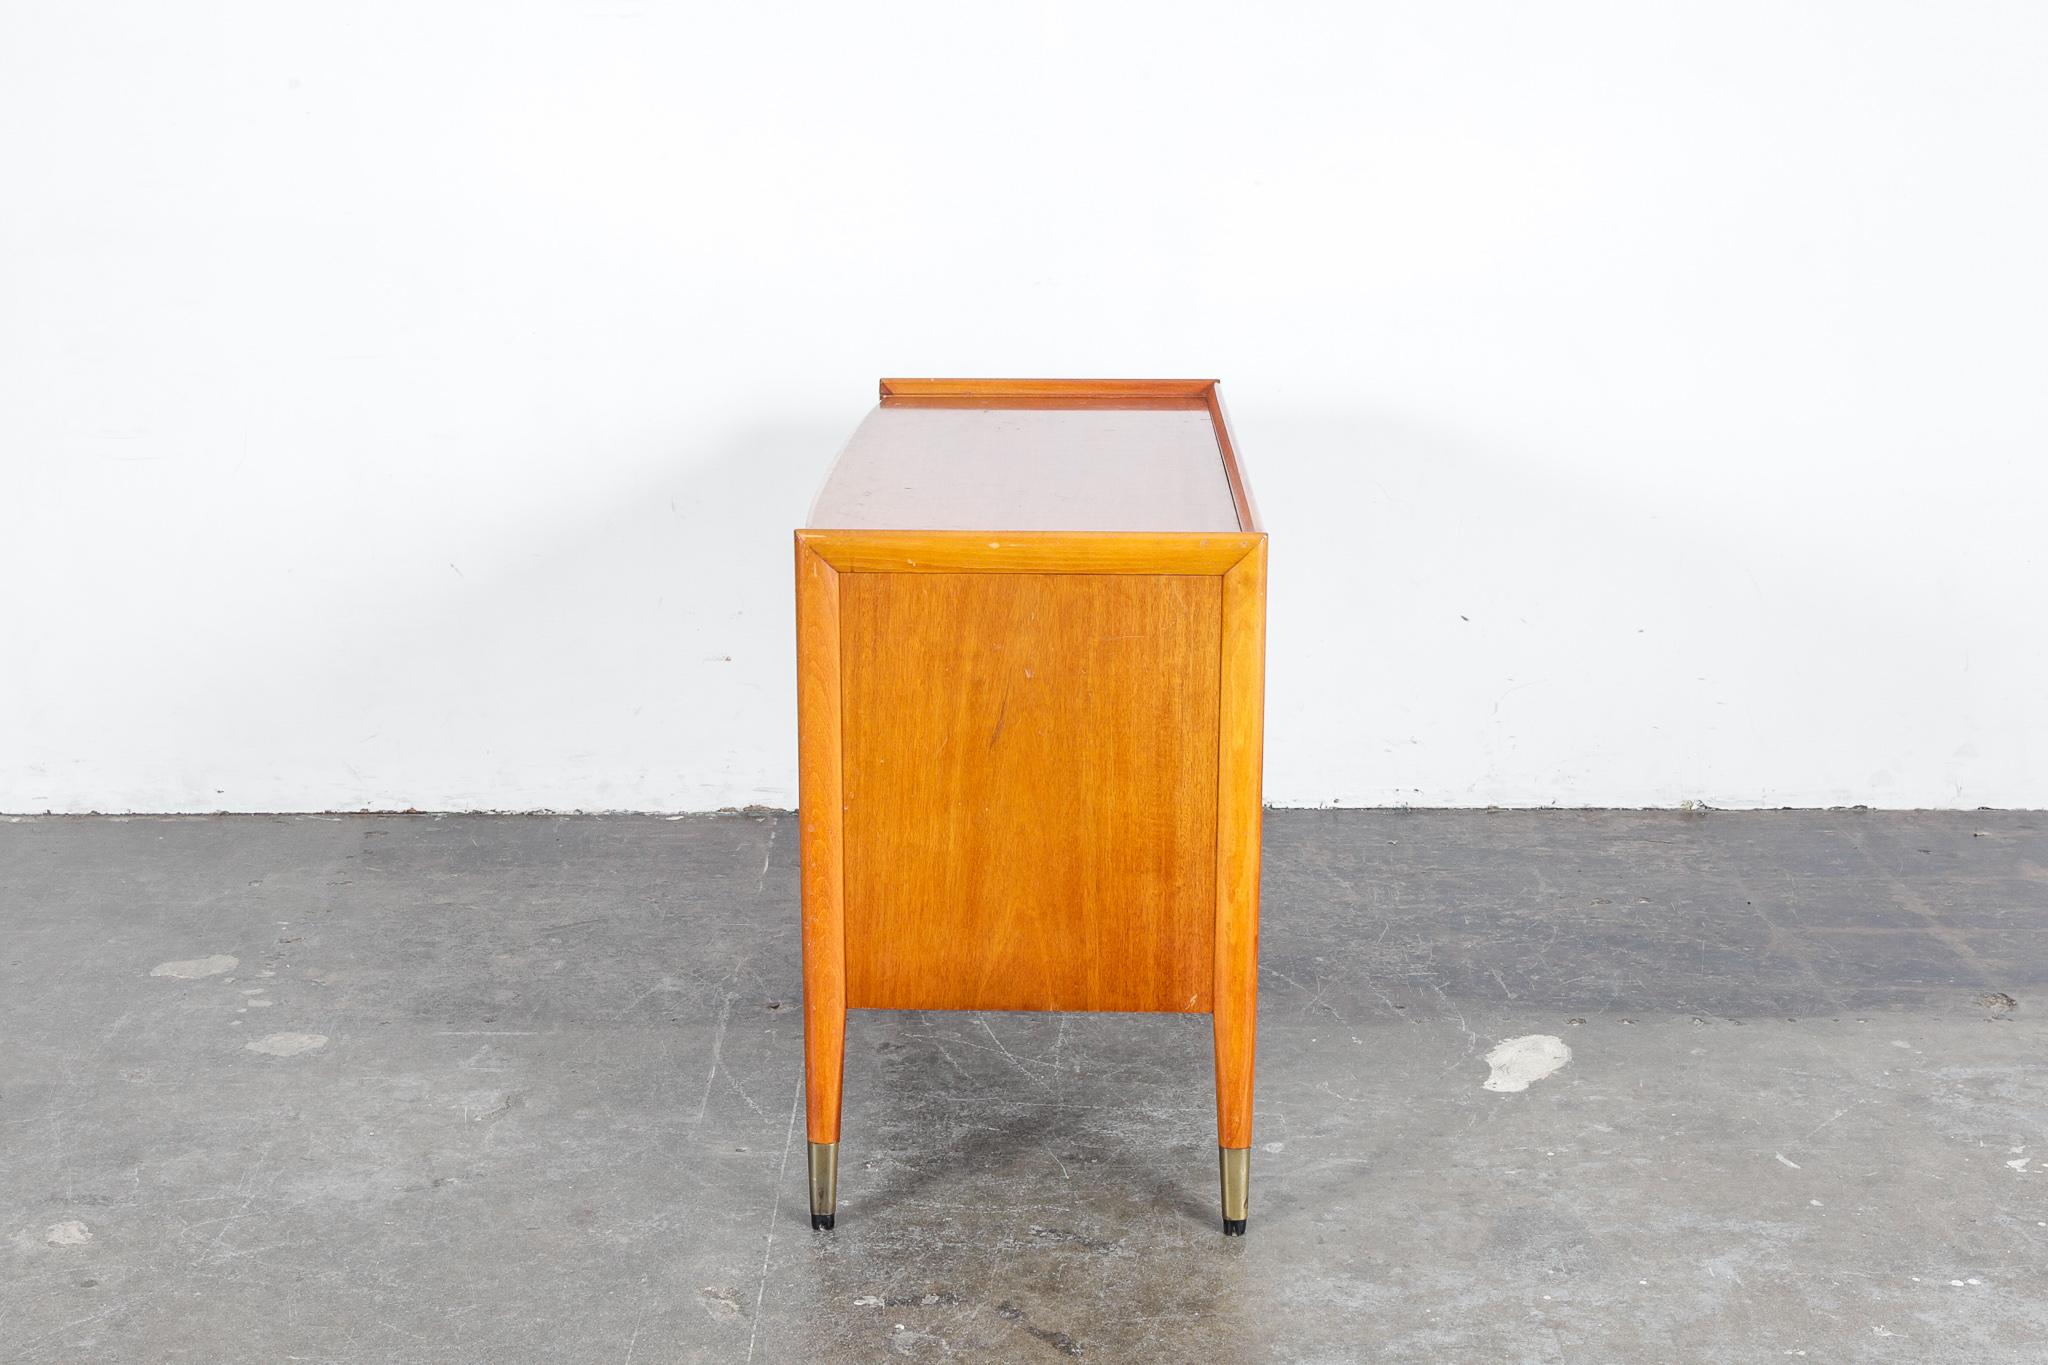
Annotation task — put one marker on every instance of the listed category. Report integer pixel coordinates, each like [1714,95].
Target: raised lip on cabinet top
[1197,395]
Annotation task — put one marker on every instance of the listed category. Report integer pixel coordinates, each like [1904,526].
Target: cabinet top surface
[1031,464]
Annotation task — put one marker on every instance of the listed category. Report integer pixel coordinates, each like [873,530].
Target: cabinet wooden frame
[826,560]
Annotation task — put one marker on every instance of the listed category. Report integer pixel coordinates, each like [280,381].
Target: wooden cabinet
[1031,672]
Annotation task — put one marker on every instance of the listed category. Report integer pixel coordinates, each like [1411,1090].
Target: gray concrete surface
[510,1089]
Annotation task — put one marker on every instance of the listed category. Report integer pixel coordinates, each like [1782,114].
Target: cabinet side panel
[1030,785]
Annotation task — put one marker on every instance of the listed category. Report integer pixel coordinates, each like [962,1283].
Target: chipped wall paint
[1644,400]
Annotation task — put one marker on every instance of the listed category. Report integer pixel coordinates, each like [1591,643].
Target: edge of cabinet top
[1039,455]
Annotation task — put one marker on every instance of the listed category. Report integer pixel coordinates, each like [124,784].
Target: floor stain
[286,1044]
[191,969]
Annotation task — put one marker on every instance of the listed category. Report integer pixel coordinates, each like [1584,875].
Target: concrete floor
[511,1089]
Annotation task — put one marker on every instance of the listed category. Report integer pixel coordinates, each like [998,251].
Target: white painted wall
[408,404]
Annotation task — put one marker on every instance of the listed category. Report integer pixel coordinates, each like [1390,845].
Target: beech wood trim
[1060,402]
[1240,760]
[821,819]
[900,389]
[1233,468]
[1142,552]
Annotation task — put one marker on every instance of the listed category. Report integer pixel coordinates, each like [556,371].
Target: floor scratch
[767,854]
[1015,1060]
[796,1104]
[717,1048]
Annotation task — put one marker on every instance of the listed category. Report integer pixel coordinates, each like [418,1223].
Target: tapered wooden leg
[1240,758]
[820,816]
[824,1062]
[1234,1041]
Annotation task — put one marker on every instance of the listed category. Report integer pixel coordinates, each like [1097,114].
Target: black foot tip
[822,1222]
[1233,1227]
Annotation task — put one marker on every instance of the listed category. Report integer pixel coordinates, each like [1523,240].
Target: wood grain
[1240,765]
[1030,790]
[1078,552]
[821,838]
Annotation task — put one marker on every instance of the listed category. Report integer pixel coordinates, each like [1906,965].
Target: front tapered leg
[1236,1013]
[821,831]
[824,1064]
[1234,1116]
[1238,831]
[1236,1027]
[824,1067]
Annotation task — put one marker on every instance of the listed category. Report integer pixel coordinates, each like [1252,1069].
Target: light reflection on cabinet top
[1038,455]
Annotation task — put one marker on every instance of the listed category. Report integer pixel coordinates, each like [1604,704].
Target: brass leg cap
[1236,1166]
[824,1184]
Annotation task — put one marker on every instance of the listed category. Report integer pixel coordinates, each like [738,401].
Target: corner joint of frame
[1255,545]
[811,550]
